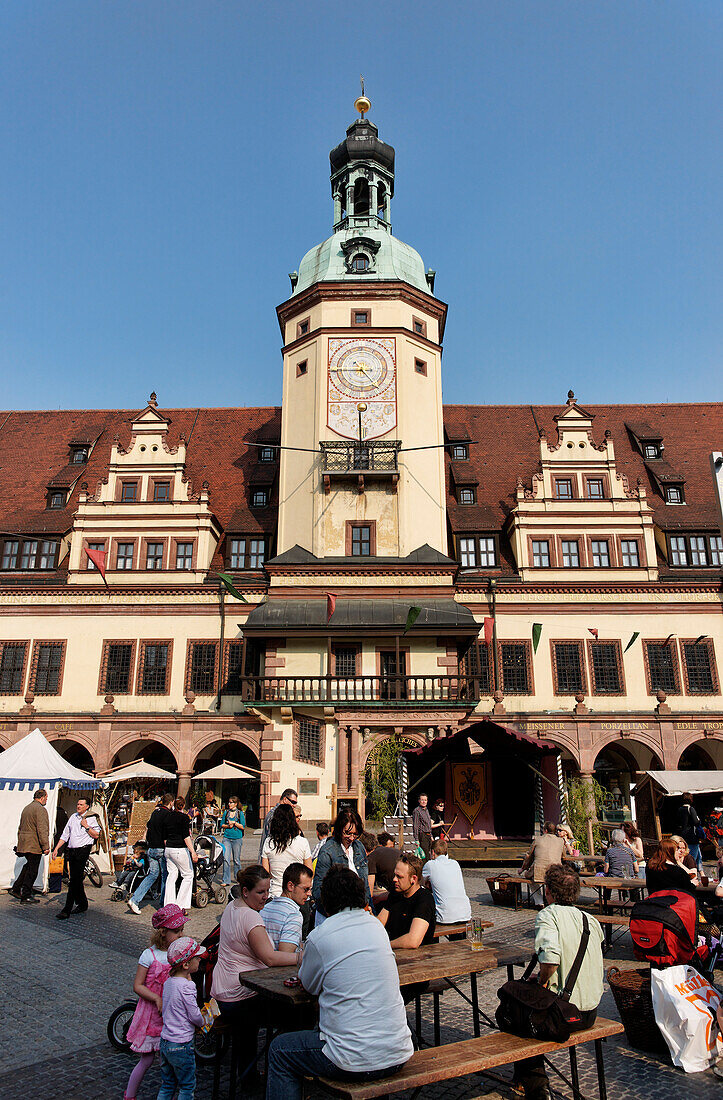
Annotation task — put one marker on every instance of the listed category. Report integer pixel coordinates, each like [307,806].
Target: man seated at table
[408,914]
[558,934]
[282,916]
[382,862]
[543,852]
[349,964]
[444,877]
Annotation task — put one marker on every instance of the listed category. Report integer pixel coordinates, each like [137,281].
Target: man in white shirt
[282,916]
[444,878]
[349,963]
[82,830]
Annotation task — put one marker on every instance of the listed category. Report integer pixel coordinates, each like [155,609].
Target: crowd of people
[337,912]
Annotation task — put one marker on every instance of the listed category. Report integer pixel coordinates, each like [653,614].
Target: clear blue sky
[165,164]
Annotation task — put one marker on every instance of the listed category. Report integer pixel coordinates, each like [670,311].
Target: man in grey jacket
[33,842]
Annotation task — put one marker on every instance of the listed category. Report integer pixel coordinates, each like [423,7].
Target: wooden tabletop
[456,929]
[598,882]
[415,964]
[585,859]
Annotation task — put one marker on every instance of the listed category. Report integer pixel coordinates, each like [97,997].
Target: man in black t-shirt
[409,913]
[155,841]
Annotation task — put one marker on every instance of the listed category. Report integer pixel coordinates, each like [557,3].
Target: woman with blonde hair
[685,859]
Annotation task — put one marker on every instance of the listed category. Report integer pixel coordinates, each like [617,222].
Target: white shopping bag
[685,1005]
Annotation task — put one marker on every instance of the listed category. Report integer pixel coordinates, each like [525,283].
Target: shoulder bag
[529,1009]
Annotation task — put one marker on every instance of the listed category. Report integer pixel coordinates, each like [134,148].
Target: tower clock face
[362,372]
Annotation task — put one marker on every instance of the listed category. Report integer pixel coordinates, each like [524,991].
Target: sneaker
[133,907]
[30,900]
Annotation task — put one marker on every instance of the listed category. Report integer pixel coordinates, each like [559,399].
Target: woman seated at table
[666,872]
[285,844]
[682,855]
[565,833]
[244,944]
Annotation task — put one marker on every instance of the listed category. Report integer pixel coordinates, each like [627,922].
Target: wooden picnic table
[416,965]
[458,929]
[605,885]
[594,858]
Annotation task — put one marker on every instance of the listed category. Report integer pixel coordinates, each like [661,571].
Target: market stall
[658,795]
[28,765]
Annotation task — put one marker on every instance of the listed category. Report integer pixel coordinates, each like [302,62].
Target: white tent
[228,770]
[707,782]
[137,769]
[25,767]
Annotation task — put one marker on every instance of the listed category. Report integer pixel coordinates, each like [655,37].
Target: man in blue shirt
[282,916]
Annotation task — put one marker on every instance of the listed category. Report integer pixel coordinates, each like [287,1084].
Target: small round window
[360,262]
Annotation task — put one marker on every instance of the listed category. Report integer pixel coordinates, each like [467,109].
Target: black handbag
[529,1009]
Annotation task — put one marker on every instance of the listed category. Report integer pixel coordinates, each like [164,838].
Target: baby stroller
[122,893]
[210,862]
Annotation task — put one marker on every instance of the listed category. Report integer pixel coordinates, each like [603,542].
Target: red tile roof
[34,453]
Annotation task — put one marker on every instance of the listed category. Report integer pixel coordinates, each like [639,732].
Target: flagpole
[493,609]
[222,612]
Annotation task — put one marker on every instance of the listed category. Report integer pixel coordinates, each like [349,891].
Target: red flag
[98,559]
[489,625]
[330,605]
[593,631]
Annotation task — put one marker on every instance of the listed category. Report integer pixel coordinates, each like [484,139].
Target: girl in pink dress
[144,1032]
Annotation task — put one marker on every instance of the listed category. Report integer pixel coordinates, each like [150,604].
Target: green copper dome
[328,262]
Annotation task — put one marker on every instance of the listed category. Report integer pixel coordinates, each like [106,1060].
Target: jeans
[231,854]
[178,1070]
[23,885]
[77,859]
[299,1054]
[156,867]
[694,849]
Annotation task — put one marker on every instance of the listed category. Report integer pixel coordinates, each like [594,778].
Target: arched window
[381,201]
[361,197]
[360,262]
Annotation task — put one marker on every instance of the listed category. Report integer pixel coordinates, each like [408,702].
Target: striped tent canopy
[33,762]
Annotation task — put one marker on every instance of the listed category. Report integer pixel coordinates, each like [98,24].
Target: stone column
[587,778]
[184,784]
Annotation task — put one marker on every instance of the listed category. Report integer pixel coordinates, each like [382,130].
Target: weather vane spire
[362,103]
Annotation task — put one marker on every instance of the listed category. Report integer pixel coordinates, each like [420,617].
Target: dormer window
[651,450]
[467,496]
[674,494]
[460,452]
[79,455]
[360,263]
[266,454]
[259,498]
[56,499]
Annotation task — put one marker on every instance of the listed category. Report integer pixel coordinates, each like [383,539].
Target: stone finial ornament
[570,397]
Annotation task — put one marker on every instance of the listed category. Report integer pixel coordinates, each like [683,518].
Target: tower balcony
[344,459]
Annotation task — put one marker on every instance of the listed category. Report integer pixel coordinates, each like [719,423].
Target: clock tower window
[361,317]
[360,263]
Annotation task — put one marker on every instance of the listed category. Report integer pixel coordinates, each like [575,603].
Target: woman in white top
[284,845]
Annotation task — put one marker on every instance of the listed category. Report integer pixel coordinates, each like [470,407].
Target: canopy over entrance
[495,781]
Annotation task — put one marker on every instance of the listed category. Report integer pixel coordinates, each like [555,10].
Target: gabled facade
[564,564]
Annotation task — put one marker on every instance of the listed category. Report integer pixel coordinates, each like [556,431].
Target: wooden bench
[428,1067]
[608,921]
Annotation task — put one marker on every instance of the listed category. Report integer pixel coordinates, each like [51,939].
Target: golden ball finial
[362,104]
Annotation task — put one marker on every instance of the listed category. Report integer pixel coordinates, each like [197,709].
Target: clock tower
[362,434]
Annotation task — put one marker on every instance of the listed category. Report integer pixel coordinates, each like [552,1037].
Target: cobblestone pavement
[62,981]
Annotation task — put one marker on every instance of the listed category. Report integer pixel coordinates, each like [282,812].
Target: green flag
[412,616]
[227,581]
[633,638]
[536,632]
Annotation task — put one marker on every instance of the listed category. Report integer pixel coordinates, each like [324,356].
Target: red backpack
[664,928]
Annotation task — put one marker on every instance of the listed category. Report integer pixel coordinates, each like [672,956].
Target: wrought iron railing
[350,457]
[359,690]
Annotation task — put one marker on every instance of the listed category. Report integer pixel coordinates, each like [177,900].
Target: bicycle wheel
[93,872]
[119,1023]
[207,1044]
